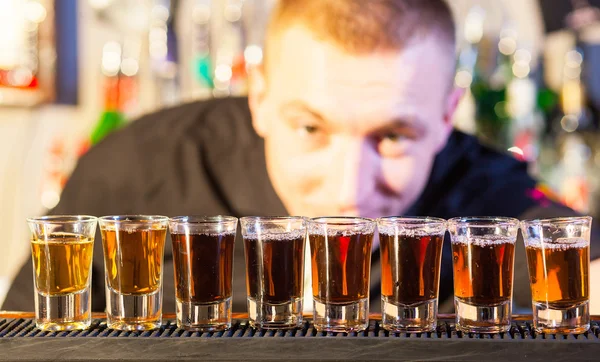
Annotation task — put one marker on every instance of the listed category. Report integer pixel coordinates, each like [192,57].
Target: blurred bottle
[202,74]
[491,77]
[567,153]
[527,123]
[573,112]
[484,69]
[111,117]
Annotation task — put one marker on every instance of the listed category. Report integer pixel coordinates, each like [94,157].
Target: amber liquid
[203,267]
[340,267]
[559,274]
[483,273]
[133,259]
[410,267]
[62,263]
[282,266]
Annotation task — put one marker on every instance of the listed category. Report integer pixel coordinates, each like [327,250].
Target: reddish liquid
[483,273]
[203,266]
[410,267]
[281,262]
[340,267]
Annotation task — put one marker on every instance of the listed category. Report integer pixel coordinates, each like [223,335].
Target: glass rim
[202,219]
[133,218]
[62,219]
[341,220]
[577,220]
[483,221]
[273,218]
[411,220]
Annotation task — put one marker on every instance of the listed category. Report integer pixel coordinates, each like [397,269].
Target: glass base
[575,319]
[133,312]
[275,315]
[482,319]
[347,317]
[63,312]
[204,317]
[417,317]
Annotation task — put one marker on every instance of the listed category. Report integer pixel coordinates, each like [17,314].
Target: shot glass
[483,250]
[340,249]
[411,251]
[558,258]
[203,265]
[133,261]
[62,251]
[274,248]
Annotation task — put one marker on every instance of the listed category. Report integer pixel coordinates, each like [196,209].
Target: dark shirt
[204,158]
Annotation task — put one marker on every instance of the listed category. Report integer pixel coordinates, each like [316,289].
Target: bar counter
[20,340]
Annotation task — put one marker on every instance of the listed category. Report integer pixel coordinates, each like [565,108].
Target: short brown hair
[363,26]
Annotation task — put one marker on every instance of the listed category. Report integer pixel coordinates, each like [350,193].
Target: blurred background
[72,71]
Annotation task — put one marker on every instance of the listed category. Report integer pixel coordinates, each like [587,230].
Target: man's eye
[312,136]
[393,137]
[310,129]
[393,144]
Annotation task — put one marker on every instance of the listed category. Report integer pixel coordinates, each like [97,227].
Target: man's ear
[256,95]
[452,101]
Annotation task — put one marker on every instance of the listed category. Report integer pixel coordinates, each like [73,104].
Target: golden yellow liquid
[62,263]
[133,259]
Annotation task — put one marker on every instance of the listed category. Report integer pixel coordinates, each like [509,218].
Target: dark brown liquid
[486,277]
[410,267]
[133,259]
[282,266]
[61,263]
[203,266]
[340,267]
[559,275]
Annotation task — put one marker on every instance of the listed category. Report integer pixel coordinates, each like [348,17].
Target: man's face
[351,134]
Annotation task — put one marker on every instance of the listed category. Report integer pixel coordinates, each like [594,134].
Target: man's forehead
[299,56]
[298,41]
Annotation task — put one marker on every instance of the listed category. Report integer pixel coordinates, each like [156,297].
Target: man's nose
[355,175]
